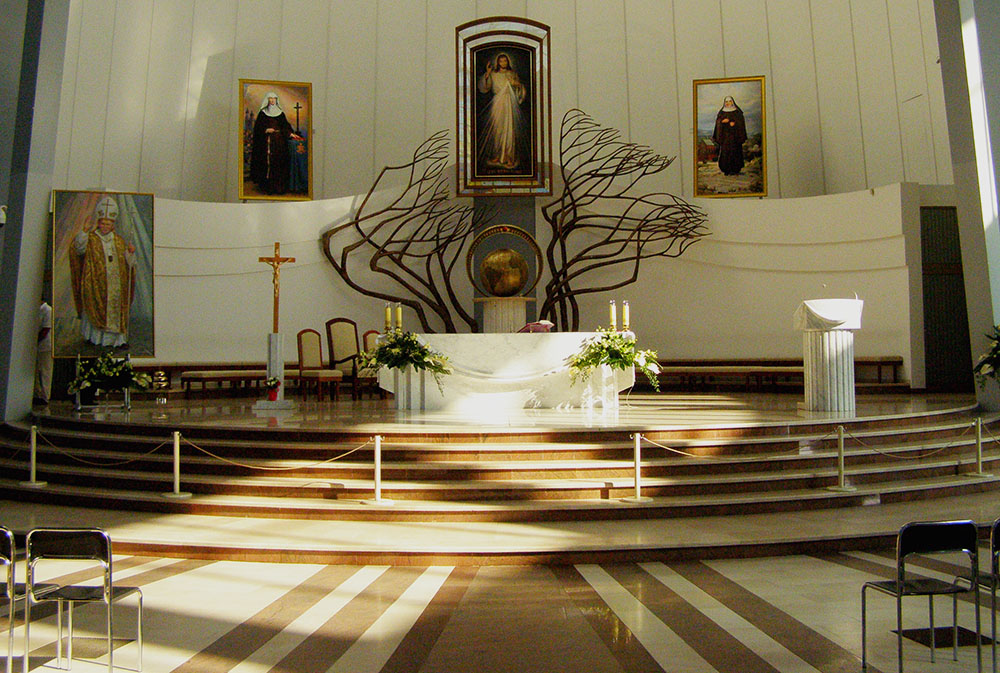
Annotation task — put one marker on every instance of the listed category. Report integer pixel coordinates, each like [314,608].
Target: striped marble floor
[789,614]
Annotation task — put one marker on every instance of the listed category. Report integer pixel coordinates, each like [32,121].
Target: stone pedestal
[275,369]
[504,314]
[410,389]
[828,327]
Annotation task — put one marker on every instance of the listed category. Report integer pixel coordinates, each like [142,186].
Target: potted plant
[989,362]
[615,350]
[107,373]
[271,385]
[398,350]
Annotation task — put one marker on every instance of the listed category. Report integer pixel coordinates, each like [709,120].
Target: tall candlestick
[625,321]
[612,315]
[399,317]
[388,317]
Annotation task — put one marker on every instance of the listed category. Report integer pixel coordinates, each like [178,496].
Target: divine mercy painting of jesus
[504,142]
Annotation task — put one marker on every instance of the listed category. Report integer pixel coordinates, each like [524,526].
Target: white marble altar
[828,327]
[501,372]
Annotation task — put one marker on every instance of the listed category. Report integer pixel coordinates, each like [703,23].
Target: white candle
[388,317]
[399,317]
[612,315]
[625,321]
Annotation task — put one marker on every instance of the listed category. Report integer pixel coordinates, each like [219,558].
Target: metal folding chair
[991,581]
[12,592]
[928,537]
[76,544]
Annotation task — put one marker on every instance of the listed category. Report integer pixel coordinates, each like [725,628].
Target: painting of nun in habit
[503,112]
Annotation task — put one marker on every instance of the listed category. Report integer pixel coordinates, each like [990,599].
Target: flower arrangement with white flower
[617,350]
[398,349]
[106,373]
[989,362]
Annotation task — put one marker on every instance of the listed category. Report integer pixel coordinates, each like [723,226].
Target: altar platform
[728,475]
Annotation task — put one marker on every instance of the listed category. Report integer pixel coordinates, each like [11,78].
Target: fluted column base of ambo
[828,358]
[504,314]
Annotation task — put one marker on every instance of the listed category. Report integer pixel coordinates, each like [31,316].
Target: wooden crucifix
[275,263]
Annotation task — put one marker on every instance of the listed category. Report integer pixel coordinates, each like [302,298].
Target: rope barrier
[789,452]
[94,463]
[275,469]
[918,457]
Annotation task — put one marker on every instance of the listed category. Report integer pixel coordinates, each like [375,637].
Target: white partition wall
[149,93]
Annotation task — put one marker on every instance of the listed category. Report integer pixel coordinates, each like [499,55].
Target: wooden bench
[758,373]
[237,379]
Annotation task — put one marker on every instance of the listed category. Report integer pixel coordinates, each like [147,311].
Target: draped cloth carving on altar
[502,372]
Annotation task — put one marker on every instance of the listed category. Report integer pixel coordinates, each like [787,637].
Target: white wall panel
[793,112]
[129,66]
[840,114]
[601,71]
[486,8]
[166,101]
[698,40]
[349,100]
[935,95]
[560,16]
[442,17]
[255,56]
[67,98]
[211,112]
[90,112]
[652,88]
[911,90]
[876,91]
[400,81]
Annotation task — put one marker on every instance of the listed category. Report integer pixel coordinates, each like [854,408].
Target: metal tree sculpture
[416,240]
[599,169]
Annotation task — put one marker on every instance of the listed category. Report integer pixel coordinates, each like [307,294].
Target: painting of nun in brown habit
[274,136]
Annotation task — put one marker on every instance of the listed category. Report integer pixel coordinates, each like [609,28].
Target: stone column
[828,327]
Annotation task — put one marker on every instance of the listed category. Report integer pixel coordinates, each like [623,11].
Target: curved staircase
[521,475]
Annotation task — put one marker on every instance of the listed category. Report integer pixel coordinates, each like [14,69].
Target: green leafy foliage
[106,372]
[398,349]
[618,351]
[989,362]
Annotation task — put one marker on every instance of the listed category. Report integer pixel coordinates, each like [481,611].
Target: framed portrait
[274,132]
[730,143]
[504,108]
[102,273]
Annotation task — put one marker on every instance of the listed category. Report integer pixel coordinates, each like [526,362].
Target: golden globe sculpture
[504,272]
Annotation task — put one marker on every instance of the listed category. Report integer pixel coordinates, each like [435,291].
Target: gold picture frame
[274,139]
[504,111]
[730,137]
[97,236]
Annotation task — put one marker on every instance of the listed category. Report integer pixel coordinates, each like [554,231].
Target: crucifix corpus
[275,345]
[275,262]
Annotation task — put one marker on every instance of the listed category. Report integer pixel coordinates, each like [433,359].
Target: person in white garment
[103,275]
[505,126]
[43,358]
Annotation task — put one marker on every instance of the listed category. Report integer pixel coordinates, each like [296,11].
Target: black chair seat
[924,586]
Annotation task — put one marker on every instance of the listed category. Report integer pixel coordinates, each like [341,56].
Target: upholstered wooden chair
[368,378]
[312,372]
[342,342]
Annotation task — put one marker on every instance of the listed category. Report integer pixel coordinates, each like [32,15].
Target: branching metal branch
[416,240]
[599,171]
